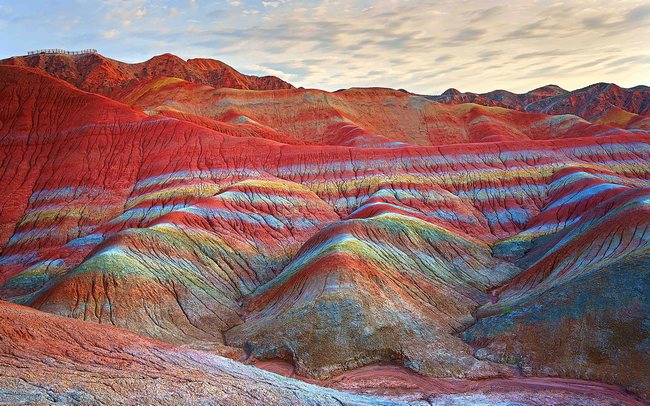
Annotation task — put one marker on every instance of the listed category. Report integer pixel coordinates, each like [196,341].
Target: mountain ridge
[368,232]
[99,74]
[602,103]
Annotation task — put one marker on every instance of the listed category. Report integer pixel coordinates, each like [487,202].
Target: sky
[423,46]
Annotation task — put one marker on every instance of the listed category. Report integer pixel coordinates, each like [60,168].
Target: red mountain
[354,117]
[98,74]
[603,103]
[369,240]
[500,98]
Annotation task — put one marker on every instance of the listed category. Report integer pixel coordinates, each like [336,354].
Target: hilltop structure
[62,51]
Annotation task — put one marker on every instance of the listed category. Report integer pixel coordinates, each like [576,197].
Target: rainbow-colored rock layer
[527,250]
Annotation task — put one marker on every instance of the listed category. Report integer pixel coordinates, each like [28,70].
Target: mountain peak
[548,89]
[96,73]
[451,92]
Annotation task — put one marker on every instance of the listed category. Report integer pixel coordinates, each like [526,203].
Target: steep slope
[38,117]
[397,289]
[98,74]
[46,359]
[370,117]
[67,218]
[602,103]
[586,286]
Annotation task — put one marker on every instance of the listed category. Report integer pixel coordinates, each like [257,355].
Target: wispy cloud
[109,34]
[266,70]
[425,46]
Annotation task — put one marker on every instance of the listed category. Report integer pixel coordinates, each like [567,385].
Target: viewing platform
[61,51]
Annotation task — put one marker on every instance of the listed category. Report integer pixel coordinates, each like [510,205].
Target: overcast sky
[422,46]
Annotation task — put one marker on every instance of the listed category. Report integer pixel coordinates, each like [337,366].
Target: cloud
[485,15]
[5,10]
[443,58]
[640,14]
[487,56]
[634,59]
[422,45]
[541,54]
[465,35]
[265,70]
[109,34]
[608,23]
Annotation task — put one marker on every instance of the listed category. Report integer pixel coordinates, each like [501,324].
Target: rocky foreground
[368,240]
[46,359]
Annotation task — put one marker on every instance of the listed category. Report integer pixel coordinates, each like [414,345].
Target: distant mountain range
[603,103]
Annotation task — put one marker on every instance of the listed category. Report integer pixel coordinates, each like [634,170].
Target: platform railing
[61,51]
